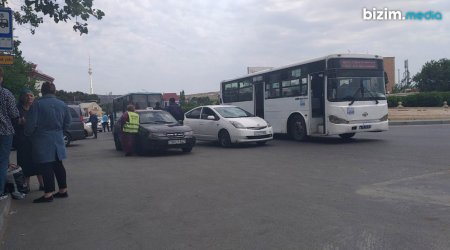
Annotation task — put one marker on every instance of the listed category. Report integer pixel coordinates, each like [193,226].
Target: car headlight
[156,134]
[337,120]
[189,133]
[268,125]
[384,118]
[237,124]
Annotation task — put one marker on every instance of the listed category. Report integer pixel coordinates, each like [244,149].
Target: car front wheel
[224,139]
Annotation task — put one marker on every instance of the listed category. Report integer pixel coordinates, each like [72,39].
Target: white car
[227,124]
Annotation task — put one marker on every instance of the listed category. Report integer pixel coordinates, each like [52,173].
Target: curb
[4,212]
[417,122]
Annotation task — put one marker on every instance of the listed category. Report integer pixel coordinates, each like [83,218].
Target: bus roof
[139,93]
[365,56]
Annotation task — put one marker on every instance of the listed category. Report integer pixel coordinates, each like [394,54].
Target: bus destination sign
[358,64]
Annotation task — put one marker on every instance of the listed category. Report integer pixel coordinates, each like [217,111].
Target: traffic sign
[6,59]
[6,29]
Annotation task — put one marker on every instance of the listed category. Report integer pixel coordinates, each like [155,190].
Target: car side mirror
[211,117]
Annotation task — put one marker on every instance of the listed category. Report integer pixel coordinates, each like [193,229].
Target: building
[389,68]
[39,77]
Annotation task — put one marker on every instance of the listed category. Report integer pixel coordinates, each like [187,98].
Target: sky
[173,45]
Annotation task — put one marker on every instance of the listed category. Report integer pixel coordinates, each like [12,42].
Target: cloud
[169,46]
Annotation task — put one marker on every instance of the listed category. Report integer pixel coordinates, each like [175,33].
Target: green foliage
[195,102]
[426,99]
[17,75]
[32,12]
[182,98]
[434,76]
[76,97]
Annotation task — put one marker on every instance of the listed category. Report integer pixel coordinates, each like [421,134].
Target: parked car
[76,128]
[227,124]
[158,130]
[88,130]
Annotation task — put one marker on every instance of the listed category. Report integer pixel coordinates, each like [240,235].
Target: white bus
[333,95]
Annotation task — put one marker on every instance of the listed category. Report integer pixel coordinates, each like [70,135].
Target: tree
[17,76]
[76,97]
[32,12]
[434,76]
[182,98]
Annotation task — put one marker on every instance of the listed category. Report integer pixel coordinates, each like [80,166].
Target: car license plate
[260,133]
[365,126]
[173,142]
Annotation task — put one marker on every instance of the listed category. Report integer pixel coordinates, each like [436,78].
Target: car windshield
[355,88]
[232,112]
[156,117]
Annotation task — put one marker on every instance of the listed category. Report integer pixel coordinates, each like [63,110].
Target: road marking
[433,188]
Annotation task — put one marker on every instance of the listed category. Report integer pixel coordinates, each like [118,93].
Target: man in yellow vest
[129,122]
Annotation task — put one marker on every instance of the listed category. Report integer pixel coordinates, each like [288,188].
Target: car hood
[167,128]
[250,122]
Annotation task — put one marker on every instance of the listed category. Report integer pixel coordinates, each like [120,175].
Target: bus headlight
[337,120]
[384,118]
[237,124]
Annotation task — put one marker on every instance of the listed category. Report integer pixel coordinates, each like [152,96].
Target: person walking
[8,115]
[23,143]
[105,124]
[175,110]
[129,124]
[93,119]
[47,119]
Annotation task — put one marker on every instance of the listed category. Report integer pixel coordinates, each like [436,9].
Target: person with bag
[129,123]
[23,143]
[46,121]
[8,115]
[93,119]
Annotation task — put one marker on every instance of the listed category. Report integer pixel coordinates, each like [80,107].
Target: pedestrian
[105,124]
[111,121]
[47,119]
[8,115]
[93,119]
[129,124]
[23,143]
[175,110]
[158,106]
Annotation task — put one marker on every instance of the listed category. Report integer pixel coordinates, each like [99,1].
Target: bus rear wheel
[347,135]
[297,128]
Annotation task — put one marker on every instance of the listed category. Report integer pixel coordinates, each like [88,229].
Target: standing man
[93,119]
[129,123]
[111,121]
[8,113]
[47,119]
[175,110]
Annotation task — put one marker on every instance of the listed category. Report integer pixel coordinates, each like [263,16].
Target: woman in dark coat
[23,143]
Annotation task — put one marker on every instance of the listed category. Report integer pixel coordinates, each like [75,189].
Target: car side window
[194,114]
[207,112]
[74,114]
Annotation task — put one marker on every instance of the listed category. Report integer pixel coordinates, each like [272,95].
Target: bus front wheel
[297,128]
[347,135]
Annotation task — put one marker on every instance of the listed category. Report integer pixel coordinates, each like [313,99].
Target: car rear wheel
[224,139]
[67,139]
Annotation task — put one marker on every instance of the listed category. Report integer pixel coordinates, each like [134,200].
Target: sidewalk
[419,116]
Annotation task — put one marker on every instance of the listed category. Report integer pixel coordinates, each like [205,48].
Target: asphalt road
[386,190]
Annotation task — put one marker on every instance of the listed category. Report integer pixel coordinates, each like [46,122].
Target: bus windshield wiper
[372,95]
[354,96]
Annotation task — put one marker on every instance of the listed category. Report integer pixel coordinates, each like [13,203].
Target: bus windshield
[355,88]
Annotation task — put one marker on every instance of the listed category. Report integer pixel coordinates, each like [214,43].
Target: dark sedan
[158,131]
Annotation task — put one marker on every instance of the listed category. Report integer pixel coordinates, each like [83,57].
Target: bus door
[317,87]
[259,99]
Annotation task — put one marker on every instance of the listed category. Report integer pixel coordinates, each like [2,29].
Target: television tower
[91,90]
